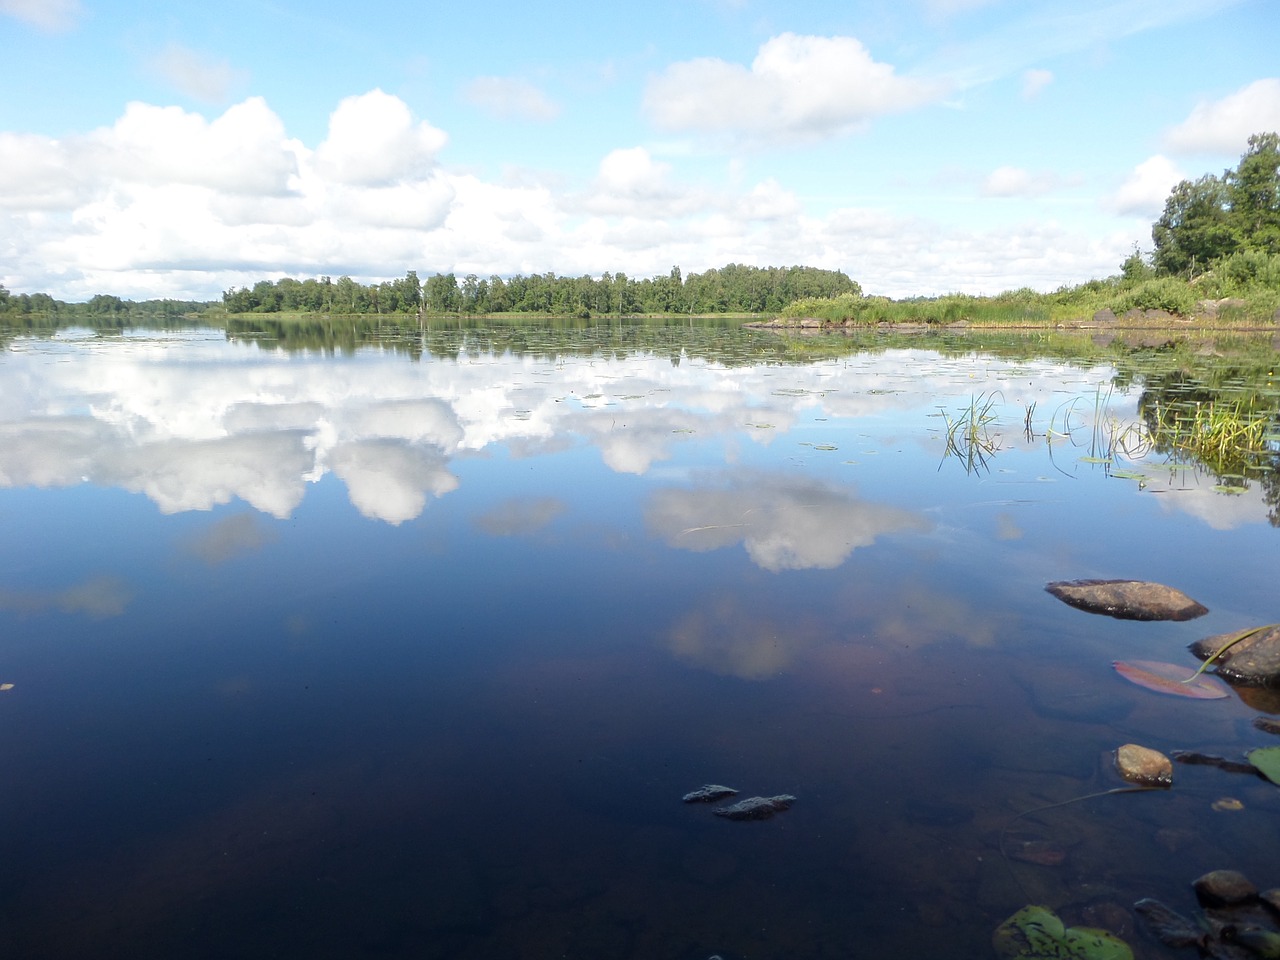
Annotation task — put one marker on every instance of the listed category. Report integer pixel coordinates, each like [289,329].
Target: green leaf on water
[826,446]
[1129,475]
[1267,762]
[1036,933]
[1095,459]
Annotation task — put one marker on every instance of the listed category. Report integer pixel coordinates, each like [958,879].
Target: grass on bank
[1241,289]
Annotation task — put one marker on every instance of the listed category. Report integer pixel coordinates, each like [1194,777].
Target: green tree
[1253,190]
[1195,227]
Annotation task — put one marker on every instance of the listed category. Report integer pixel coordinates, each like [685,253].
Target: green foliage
[1162,293]
[1036,933]
[736,288]
[1213,217]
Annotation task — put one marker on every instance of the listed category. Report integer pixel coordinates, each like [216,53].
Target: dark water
[410,649]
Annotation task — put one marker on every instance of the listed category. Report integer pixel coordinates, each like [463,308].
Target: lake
[335,643]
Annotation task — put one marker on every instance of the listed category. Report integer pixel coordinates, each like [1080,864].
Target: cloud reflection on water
[784,522]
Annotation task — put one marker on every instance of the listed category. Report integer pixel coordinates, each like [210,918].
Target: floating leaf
[1095,460]
[1169,678]
[826,446]
[1035,933]
[6,686]
[1267,761]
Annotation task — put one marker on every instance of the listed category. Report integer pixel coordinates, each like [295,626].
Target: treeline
[736,288]
[102,310]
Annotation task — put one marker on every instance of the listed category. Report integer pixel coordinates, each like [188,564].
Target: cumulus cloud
[1033,81]
[374,141]
[1145,190]
[196,74]
[797,88]
[244,151]
[51,15]
[1224,126]
[510,98]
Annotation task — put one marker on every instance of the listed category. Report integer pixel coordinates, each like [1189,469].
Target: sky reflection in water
[379,655]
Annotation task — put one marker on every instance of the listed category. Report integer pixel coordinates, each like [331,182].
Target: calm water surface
[410,649]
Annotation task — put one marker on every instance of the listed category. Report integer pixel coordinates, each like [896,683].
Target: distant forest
[735,288]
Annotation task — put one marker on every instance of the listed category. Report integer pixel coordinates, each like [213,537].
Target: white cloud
[1145,190]
[51,15]
[1033,81]
[244,151]
[1016,182]
[1224,126]
[374,141]
[510,98]
[196,74]
[797,88]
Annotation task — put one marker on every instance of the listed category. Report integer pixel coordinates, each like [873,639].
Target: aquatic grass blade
[1169,678]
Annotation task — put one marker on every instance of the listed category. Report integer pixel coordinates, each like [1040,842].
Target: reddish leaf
[1167,678]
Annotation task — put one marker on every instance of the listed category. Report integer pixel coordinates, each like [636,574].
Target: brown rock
[1127,599]
[1253,659]
[1144,766]
[1220,888]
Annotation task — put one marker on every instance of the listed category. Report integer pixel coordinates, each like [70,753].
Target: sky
[153,149]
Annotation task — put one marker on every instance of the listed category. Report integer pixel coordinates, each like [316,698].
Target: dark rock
[1167,925]
[1267,724]
[756,808]
[1127,599]
[1220,888]
[1209,760]
[1105,315]
[709,793]
[1255,659]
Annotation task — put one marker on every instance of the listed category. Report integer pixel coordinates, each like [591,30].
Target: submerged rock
[756,808]
[709,793]
[1251,658]
[1168,926]
[1220,888]
[1127,599]
[1144,766]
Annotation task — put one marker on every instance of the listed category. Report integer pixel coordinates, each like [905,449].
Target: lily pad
[1168,678]
[1267,762]
[1036,933]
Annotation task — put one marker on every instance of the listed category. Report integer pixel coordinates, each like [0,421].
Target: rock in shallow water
[756,808]
[1127,599]
[1144,766]
[1246,657]
[709,793]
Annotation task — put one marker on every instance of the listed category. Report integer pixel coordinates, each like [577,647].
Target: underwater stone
[1220,888]
[756,808]
[1144,766]
[1127,599]
[709,793]
[1253,659]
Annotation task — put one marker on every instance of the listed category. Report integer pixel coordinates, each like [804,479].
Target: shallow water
[410,647]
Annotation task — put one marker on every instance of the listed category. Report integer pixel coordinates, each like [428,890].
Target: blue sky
[921,146]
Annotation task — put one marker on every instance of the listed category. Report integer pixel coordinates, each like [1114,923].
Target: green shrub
[1170,294]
